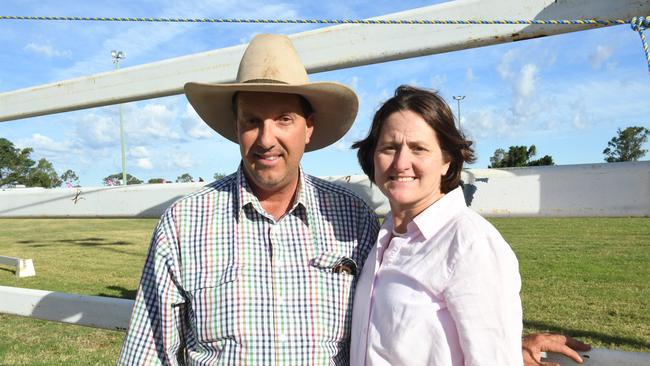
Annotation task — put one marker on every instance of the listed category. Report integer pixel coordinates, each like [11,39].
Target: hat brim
[335,107]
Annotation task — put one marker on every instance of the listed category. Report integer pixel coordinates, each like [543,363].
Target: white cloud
[46,50]
[41,142]
[469,74]
[354,83]
[527,79]
[149,123]
[486,123]
[194,126]
[144,163]
[600,56]
[96,130]
[579,120]
[139,152]
[182,160]
[437,81]
[523,92]
[140,44]
[503,68]
[343,145]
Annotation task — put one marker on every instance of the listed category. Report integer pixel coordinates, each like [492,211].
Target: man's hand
[533,344]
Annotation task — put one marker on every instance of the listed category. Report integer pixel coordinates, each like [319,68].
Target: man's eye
[285,119]
[249,122]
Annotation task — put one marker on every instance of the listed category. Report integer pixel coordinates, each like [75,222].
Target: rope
[327,21]
[638,24]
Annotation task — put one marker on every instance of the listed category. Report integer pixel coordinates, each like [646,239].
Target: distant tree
[218,176]
[497,160]
[156,180]
[114,179]
[627,145]
[545,160]
[184,178]
[15,164]
[518,156]
[69,176]
[43,175]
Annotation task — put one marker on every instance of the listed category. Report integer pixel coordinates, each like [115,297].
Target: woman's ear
[445,167]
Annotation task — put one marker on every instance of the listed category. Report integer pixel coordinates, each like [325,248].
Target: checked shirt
[224,283]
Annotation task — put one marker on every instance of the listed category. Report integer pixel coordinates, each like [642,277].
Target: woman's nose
[402,160]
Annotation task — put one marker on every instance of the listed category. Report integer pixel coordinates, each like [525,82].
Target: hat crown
[271,58]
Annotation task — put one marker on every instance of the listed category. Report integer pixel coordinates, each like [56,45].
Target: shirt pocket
[212,311]
[334,294]
[334,263]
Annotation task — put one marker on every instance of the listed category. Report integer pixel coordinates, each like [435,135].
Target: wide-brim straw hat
[271,64]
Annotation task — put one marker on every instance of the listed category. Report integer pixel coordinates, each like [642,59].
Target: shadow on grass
[87,242]
[92,242]
[3,268]
[577,333]
[123,292]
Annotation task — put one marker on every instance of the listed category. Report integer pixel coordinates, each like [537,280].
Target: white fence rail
[22,267]
[91,311]
[113,314]
[323,49]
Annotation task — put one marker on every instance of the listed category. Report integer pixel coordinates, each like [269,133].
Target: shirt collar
[439,214]
[247,197]
[429,221]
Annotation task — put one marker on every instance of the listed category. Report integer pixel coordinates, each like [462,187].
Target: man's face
[272,134]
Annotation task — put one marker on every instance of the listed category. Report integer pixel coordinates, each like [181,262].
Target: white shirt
[445,293]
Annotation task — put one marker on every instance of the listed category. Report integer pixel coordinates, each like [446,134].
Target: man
[258,268]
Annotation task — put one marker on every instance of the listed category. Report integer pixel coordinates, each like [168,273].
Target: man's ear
[310,127]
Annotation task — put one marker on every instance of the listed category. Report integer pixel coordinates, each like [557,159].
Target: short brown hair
[435,111]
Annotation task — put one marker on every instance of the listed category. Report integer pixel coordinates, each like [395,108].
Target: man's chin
[266,182]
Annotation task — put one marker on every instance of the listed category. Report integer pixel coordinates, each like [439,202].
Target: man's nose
[266,134]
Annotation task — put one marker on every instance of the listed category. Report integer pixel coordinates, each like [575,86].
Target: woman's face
[409,163]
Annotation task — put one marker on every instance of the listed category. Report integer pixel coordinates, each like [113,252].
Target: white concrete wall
[614,189]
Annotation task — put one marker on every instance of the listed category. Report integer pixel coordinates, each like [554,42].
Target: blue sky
[566,94]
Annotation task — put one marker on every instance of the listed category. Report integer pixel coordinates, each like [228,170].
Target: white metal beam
[91,311]
[323,49]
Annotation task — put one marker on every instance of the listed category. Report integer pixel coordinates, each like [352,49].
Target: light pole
[458,98]
[117,56]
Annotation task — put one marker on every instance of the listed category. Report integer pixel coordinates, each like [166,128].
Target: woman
[441,286]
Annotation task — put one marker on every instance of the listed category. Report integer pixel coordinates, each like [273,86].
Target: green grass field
[587,277]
